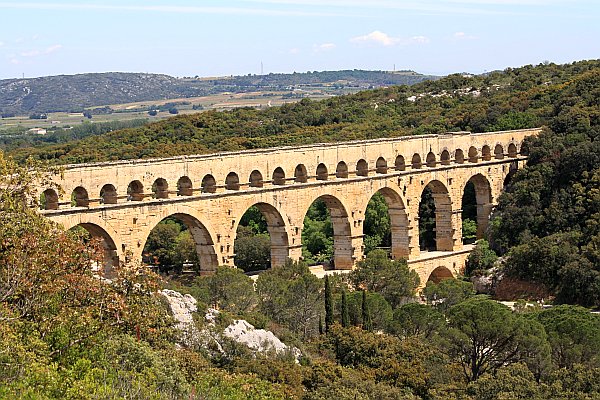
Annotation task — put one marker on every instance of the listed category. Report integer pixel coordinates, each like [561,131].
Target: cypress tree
[345,315]
[366,313]
[328,305]
[320,324]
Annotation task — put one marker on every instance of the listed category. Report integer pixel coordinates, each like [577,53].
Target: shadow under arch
[111,257]
[482,207]
[203,241]
[439,274]
[441,224]
[277,232]
[399,224]
[342,241]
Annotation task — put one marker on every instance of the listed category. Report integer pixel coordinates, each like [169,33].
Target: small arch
[232,181]
[322,174]
[459,156]
[256,179]
[278,176]
[473,156]
[439,274]
[416,161]
[79,197]
[300,174]
[399,164]
[362,168]
[381,166]
[209,184]
[184,186]
[108,194]
[486,153]
[135,191]
[49,200]
[160,189]
[445,157]
[341,170]
[498,152]
[430,160]
[512,150]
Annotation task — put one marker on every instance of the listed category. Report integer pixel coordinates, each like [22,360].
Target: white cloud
[383,39]
[462,36]
[318,48]
[47,50]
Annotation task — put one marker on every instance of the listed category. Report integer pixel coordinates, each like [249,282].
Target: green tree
[447,293]
[344,308]
[415,319]
[328,305]
[367,323]
[252,251]
[227,289]
[377,225]
[481,258]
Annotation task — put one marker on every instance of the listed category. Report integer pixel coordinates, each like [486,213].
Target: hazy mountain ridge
[76,92]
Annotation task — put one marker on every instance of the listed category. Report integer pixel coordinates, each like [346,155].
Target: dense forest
[365,335]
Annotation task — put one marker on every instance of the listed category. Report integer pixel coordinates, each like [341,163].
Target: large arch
[399,224]
[277,231]
[111,257]
[483,201]
[203,241]
[443,231]
[342,240]
[439,274]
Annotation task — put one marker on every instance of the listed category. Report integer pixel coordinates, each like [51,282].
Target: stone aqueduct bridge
[123,201]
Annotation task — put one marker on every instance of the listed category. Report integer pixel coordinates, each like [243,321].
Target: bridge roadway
[122,201]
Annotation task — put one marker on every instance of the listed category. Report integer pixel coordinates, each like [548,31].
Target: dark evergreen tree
[366,314]
[345,315]
[328,305]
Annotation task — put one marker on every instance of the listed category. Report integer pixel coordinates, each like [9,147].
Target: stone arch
[459,156]
[439,274]
[108,194]
[280,249]
[135,191]
[512,150]
[486,153]
[483,200]
[209,184]
[342,235]
[444,231]
[399,163]
[341,171]
[184,186]
[322,174]
[499,152]
[430,160]
[445,157]
[300,174]
[232,181]
[111,258]
[256,179]
[160,189]
[416,161]
[278,176]
[362,168]
[399,223]
[381,166]
[203,240]
[49,200]
[79,197]
[473,156]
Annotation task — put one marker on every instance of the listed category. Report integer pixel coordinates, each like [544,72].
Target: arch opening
[108,194]
[439,274]
[160,189]
[278,176]
[476,208]
[399,163]
[486,153]
[79,197]
[49,200]
[322,174]
[232,181]
[300,174]
[341,170]
[386,224]
[178,243]
[326,234]
[256,179]
[381,166]
[459,156]
[430,160]
[184,186]
[512,150]
[362,168]
[208,185]
[498,152]
[110,258]
[435,218]
[416,161]
[473,156]
[261,239]
[135,191]
[445,157]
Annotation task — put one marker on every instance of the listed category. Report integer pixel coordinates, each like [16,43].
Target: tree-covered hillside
[511,99]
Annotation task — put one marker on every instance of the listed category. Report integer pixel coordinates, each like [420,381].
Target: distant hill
[76,92]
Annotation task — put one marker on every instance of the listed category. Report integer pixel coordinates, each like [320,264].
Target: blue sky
[216,38]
